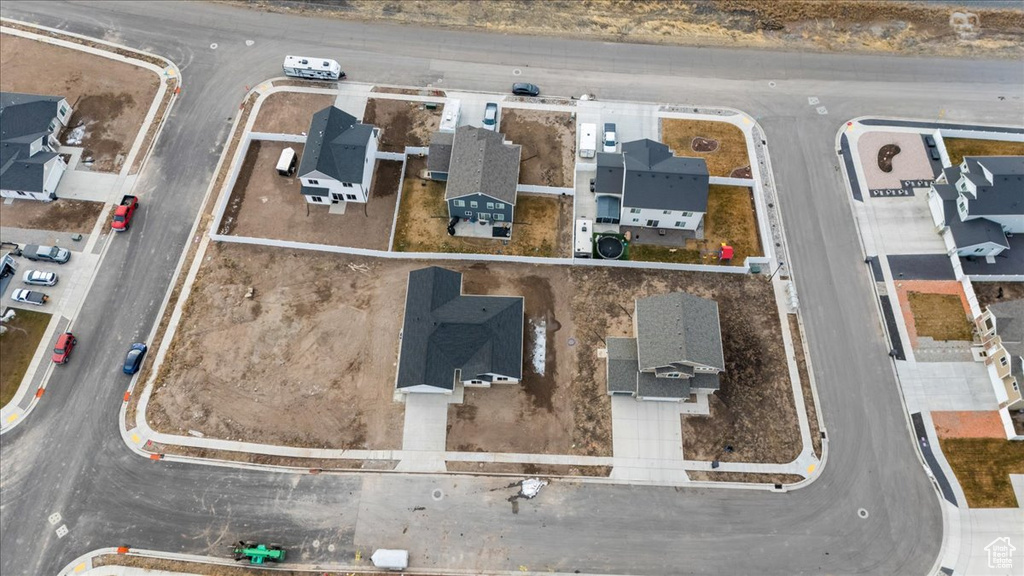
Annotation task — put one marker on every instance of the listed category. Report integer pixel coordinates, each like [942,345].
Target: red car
[62,350]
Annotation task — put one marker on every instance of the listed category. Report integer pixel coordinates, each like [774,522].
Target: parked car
[29,297]
[609,137]
[133,360]
[62,349]
[46,253]
[40,278]
[491,116]
[525,89]
[124,212]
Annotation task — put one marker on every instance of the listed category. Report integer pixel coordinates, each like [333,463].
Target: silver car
[40,278]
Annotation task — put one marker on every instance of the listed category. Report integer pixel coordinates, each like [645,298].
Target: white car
[491,116]
[609,137]
[40,278]
[29,297]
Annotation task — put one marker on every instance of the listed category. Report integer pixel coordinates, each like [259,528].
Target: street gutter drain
[437,494]
[862,513]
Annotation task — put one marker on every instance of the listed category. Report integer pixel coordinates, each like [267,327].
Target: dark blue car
[133,361]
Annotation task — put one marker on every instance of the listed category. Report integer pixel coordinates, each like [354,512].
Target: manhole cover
[516,71]
[862,513]
[437,494]
[771,84]
[330,547]
[316,543]
[213,46]
[571,342]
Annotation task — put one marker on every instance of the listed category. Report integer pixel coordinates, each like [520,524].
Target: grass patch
[17,346]
[940,316]
[983,467]
[957,148]
[655,253]
[731,219]
[730,154]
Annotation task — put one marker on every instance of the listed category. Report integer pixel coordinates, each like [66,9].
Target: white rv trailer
[315,68]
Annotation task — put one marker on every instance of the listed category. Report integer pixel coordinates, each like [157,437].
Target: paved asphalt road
[69,458]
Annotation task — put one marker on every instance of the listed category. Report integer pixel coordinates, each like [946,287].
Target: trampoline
[609,247]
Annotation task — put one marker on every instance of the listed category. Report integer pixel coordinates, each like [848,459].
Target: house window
[687,214]
[636,220]
[499,217]
[346,184]
[63,109]
[978,250]
[634,211]
[1003,361]
[459,203]
[666,211]
[499,206]
[350,196]
[472,203]
[501,378]
[51,127]
[483,216]
[673,374]
[679,224]
[490,205]
[316,199]
[313,182]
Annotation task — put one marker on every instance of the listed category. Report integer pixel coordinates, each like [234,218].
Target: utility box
[286,163]
[583,245]
[450,115]
[394,560]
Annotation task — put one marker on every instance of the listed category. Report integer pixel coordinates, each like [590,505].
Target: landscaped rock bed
[885,155]
[703,145]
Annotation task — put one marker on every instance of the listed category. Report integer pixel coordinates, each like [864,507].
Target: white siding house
[30,129]
[338,158]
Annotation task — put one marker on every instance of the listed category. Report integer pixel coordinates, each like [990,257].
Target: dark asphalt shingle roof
[24,119]
[706,381]
[445,331]
[482,163]
[650,386]
[439,155]
[609,174]
[1004,193]
[1009,320]
[678,327]
[336,146]
[972,232]
[658,180]
[621,364]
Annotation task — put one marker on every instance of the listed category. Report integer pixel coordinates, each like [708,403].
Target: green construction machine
[258,553]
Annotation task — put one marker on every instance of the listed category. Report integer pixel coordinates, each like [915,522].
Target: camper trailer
[313,68]
[450,115]
[583,245]
[286,163]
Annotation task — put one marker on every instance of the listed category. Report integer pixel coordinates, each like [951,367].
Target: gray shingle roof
[439,155]
[609,174]
[705,381]
[335,145]
[1009,320]
[650,386]
[656,179]
[678,327]
[621,364]
[1004,193]
[483,163]
[24,119]
[972,232]
[445,331]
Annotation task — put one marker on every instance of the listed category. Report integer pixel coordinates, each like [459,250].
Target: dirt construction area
[549,145]
[265,204]
[109,98]
[57,216]
[289,112]
[402,122]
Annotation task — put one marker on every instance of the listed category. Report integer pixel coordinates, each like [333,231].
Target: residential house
[676,350]
[979,203]
[30,129]
[645,185]
[449,337]
[1001,327]
[338,158]
[482,176]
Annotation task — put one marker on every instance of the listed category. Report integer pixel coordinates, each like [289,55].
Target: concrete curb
[19,416]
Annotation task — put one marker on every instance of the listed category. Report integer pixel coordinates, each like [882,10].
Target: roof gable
[678,328]
[482,163]
[1000,195]
[336,145]
[656,179]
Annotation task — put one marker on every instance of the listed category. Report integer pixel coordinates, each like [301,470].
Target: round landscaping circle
[699,144]
[862,513]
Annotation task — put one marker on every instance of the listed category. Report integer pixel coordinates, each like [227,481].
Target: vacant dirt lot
[59,216]
[957,148]
[110,98]
[402,122]
[542,223]
[720,144]
[265,204]
[290,112]
[549,145]
[983,467]
[992,292]
[536,416]
[308,361]
[17,346]
[939,316]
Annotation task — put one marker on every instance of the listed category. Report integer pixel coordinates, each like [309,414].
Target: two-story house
[676,350]
[338,158]
[645,185]
[979,202]
[30,129]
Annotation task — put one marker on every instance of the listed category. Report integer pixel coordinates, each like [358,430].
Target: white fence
[550,190]
[296,138]
[724,181]
[397,156]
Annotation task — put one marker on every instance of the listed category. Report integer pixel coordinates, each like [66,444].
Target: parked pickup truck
[124,212]
[46,253]
[29,297]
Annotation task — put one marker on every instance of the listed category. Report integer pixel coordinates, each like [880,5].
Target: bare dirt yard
[542,223]
[289,112]
[720,144]
[57,216]
[939,316]
[549,145]
[265,204]
[308,361]
[110,98]
[957,148]
[17,347]
[402,122]
[992,292]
